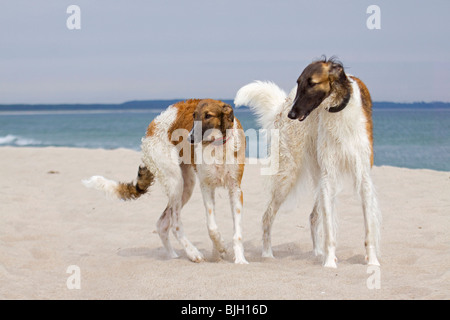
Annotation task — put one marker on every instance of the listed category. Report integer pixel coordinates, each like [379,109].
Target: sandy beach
[50,221]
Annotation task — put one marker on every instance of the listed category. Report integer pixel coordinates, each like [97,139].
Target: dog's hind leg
[268,218]
[372,216]
[316,221]
[281,187]
[174,188]
[177,227]
[167,171]
[316,218]
[171,219]
[163,225]
[188,182]
[178,191]
[372,219]
[178,231]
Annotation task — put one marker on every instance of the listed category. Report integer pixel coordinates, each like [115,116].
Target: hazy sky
[139,50]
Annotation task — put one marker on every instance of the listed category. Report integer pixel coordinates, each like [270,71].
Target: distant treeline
[162,104]
[413,105]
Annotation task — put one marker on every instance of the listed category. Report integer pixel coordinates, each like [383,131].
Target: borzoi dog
[333,136]
[169,153]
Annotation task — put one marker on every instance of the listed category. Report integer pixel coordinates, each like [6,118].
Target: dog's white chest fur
[341,137]
[216,175]
[212,174]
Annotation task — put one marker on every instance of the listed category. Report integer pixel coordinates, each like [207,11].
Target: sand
[50,222]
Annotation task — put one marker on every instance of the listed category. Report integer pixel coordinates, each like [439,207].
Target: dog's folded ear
[227,117]
[228,111]
[336,72]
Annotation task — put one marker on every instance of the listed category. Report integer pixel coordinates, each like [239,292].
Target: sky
[144,49]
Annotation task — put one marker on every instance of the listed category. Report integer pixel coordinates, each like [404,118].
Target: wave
[12,140]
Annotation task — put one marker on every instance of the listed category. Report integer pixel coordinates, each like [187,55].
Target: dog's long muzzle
[294,115]
[297,112]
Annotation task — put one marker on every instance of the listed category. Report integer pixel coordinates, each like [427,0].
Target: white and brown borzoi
[333,136]
[169,155]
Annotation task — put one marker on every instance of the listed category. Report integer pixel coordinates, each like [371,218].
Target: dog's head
[316,83]
[212,118]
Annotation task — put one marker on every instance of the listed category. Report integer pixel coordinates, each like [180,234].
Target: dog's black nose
[292,114]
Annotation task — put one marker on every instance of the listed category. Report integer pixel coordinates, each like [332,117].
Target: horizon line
[176,99]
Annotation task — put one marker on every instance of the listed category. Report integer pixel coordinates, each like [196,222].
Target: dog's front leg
[326,199]
[213,230]
[236,200]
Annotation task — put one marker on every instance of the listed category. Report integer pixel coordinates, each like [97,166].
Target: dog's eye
[207,116]
[312,84]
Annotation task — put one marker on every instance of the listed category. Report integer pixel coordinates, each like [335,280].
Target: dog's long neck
[342,92]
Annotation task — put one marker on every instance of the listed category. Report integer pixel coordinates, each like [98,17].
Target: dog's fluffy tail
[264,98]
[121,190]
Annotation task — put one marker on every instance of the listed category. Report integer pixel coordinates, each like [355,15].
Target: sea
[412,135]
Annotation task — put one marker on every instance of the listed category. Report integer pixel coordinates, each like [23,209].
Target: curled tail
[121,190]
[266,99]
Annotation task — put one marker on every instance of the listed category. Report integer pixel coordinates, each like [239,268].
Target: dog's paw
[240,260]
[372,261]
[195,256]
[267,254]
[330,262]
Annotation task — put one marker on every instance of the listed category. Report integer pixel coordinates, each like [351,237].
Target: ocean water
[417,137]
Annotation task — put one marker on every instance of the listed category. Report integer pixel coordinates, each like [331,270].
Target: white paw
[330,262]
[267,253]
[240,260]
[220,248]
[372,261]
[195,256]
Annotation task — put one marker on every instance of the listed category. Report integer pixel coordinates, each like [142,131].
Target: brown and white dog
[170,154]
[332,137]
